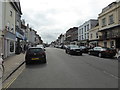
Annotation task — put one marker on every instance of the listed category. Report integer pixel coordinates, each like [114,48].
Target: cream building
[109,25]
[94,36]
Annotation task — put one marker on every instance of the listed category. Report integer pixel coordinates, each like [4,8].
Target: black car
[102,52]
[84,49]
[73,49]
[35,54]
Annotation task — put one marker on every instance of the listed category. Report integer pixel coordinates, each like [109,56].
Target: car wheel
[66,51]
[89,53]
[70,52]
[44,60]
[100,55]
[80,54]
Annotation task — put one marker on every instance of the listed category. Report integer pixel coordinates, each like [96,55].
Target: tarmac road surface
[69,71]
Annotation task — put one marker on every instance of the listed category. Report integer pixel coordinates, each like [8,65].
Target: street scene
[69,71]
[59,44]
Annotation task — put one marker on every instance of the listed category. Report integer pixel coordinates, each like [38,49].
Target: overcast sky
[50,18]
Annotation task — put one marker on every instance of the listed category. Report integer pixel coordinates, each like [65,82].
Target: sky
[50,18]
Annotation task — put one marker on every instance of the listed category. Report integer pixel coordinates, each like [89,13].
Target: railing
[110,35]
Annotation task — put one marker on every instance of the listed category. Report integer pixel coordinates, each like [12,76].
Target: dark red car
[102,52]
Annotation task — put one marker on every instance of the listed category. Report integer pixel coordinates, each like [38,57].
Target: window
[111,19]
[88,27]
[12,28]
[82,30]
[97,35]
[11,13]
[87,35]
[17,23]
[91,36]
[8,26]
[11,46]
[103,22]
[85,28]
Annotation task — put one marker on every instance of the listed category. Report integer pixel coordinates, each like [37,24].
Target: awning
[18,35]
[93,42]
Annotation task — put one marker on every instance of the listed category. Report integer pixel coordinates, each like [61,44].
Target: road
[69,71]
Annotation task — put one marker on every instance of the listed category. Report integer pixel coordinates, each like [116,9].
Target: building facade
[72,35]
[109,25]
[83,31]
[1,27]
[94,36]
[9,38]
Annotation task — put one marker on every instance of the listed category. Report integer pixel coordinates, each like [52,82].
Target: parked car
[35,54]
[73,49]
[41,46]
[65,46]
[84,49]
[102,52]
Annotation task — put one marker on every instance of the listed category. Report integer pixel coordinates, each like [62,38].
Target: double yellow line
[9,83]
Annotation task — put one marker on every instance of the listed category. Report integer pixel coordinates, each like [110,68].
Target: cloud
[50,18]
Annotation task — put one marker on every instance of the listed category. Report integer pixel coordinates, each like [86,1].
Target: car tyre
[80,54]
[27,63]
[44,60]
[89,53]
[100,55]
[66,51]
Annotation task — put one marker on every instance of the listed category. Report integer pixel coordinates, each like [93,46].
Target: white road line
[111,75]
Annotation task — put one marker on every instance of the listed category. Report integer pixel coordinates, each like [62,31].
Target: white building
[8,12]
[1,26]
[83,31]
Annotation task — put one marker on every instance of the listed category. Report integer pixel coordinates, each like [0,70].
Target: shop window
[11,46]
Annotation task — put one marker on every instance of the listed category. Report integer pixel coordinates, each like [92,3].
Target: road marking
[111,75]
[9,83]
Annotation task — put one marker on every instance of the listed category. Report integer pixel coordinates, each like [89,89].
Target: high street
[69,71]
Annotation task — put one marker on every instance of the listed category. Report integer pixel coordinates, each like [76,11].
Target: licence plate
[35,58]
[77,51]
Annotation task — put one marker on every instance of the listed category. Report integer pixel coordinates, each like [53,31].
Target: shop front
[9,44]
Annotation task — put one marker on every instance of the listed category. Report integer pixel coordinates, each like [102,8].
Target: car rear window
[35,50]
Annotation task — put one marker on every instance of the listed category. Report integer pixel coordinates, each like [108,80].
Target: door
[118,43]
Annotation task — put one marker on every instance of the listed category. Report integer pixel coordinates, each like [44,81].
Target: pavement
[11,64]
